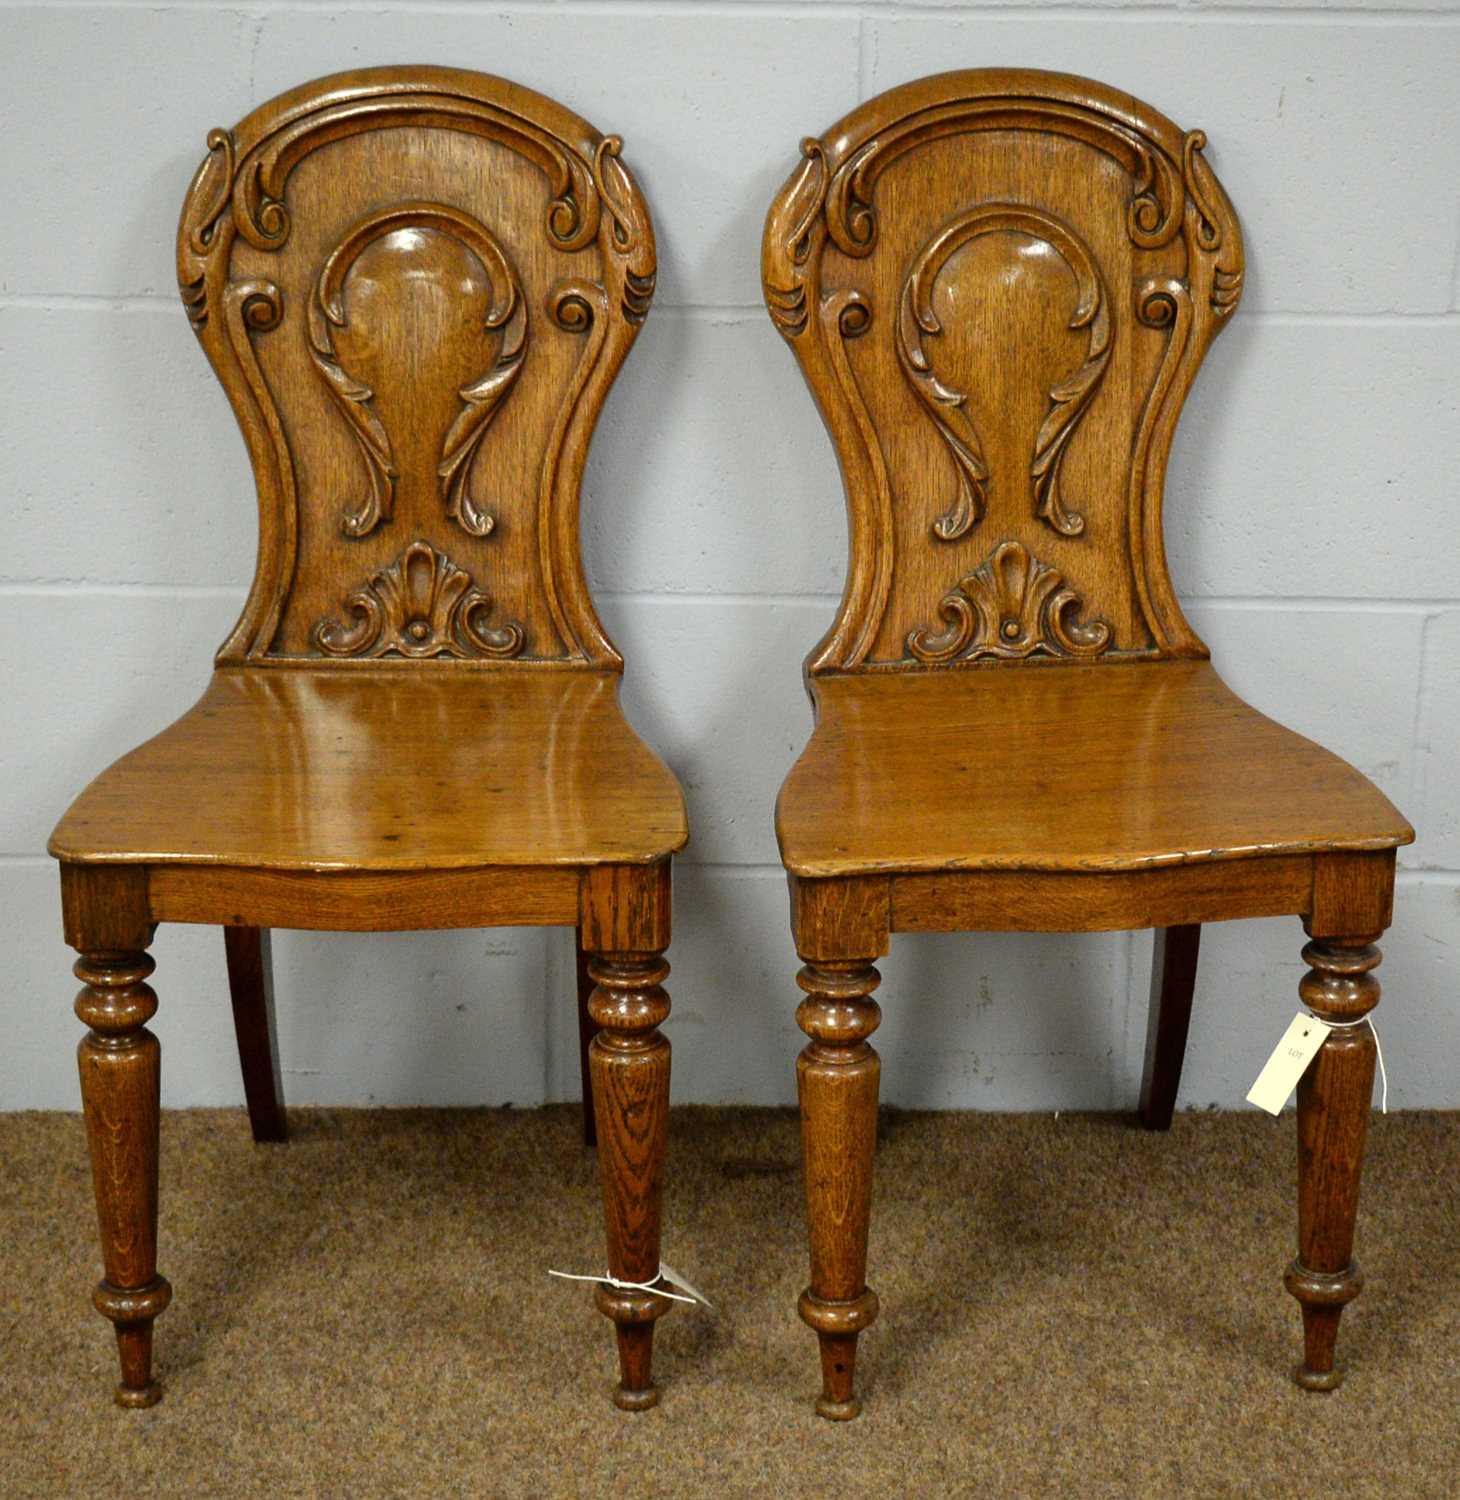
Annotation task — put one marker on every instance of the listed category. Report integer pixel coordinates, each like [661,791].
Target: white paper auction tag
[675,1279]
[1289,1061]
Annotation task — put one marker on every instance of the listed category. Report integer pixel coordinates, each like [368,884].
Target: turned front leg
[119,1061]
[837,1076]
[1334,1101]
[629,1063]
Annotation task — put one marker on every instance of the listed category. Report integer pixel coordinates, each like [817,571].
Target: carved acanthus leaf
[1012,606]
[421,605]
[1068,398]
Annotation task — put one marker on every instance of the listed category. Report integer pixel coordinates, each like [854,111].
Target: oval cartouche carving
[1068,397]
[480,398]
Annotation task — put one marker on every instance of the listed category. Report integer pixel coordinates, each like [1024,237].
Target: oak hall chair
[999,285]
[416,286]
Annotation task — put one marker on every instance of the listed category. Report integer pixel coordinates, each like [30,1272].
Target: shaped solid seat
[385,770]
[1119,767]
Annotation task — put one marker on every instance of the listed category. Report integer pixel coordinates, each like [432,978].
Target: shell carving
[1010,606]
[421,605]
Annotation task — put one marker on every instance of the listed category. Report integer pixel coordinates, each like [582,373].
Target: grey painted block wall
[1310,512]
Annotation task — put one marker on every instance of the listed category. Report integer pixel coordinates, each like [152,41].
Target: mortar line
[1137,14]
[754,311]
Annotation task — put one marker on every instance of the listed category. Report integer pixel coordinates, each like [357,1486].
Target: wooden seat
[1157,764]
[416,286]
[999,285]
[325,770]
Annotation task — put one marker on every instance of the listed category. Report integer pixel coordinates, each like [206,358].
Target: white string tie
[1369,1022]
[687,1293]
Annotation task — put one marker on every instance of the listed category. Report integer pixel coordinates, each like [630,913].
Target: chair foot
[634,1314]
[138,1399]
[1318,1380]
[1323,1296]
[837,1325]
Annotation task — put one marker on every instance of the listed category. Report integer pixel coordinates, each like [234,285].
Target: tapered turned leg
[251,985]
[1173,982]
[629,1064]
[1334,1100]
[837,1076]
[119,1062]
[587,1030]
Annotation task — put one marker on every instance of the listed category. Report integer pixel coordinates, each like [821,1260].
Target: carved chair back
[999,285]
[416,285]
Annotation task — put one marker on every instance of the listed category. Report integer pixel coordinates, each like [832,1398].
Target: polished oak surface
[416,286]
[1062,768]
[1000,285]
[320,769]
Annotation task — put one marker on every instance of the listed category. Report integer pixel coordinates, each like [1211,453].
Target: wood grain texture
[1110,767]
[249,954]
[1173,983]
[119,1061]
[419,770]
[587,1030]
[629,1067]
[1102,900]
[1000,285]
[1334,1101]
[416,286]
[837,1077]
[365,900]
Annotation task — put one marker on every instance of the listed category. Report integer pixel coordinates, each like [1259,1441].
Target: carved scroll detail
[1068,398]
[1210,211]
[480,398]
[787,247]
[1011,606]
[240,188]
[631,236]
[258,186]
[421,605]
[203,235]
[1153,215]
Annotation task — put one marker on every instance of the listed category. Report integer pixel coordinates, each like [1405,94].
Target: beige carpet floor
[1070,1307]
